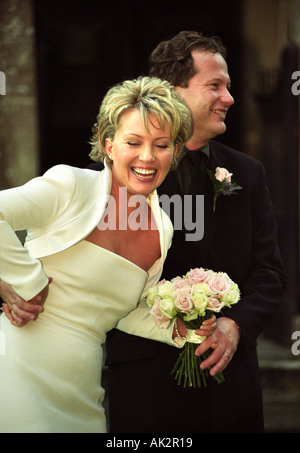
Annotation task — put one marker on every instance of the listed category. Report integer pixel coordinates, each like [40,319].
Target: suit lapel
[211,218]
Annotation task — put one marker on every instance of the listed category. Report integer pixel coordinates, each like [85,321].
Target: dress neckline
[124,259]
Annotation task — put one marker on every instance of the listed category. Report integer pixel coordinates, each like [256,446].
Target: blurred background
[60,57]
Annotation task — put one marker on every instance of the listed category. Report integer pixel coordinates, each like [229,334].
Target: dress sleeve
[139,322]
[17,268]
[31,206]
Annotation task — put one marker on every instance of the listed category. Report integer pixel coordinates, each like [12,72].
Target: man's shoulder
[232,155]
[216,146]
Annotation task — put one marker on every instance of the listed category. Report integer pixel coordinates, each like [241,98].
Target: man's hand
[224,342]
[18,310]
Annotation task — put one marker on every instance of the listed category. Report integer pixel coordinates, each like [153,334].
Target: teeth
[220,112]
[143,171]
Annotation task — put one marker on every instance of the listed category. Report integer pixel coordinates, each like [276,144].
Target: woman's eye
[132,144]
[162,146]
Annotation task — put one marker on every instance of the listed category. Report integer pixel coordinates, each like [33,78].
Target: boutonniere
[222,183]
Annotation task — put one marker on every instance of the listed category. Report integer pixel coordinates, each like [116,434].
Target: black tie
[198,161]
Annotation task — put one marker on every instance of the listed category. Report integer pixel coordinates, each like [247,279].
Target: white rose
[165,289]
[201,288]
[231,297]
[152,294]
[166,306]
[200,302]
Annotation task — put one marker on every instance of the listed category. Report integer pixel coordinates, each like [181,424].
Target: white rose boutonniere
[222,183]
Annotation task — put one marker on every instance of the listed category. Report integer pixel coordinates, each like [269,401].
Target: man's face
[207,95]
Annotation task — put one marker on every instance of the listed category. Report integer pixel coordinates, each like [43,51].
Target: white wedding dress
[50,376]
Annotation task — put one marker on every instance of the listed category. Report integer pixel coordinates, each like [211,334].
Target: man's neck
[194,144]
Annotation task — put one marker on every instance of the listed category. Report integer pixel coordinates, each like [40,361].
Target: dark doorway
[84,47]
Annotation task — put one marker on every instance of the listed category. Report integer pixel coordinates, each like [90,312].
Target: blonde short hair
[149,95]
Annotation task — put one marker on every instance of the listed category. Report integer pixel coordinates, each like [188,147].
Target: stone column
[18,106]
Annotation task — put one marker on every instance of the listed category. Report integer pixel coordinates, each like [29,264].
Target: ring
[227,355]
[214,345]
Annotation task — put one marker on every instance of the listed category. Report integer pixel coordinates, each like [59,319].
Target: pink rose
[180,283]
[161,320]
[198,276]
[223,175]
[214,304]
[183,301]
[219,284]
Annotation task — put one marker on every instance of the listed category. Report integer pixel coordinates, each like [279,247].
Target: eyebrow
[140,136]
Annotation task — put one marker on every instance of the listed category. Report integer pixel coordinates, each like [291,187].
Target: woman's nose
[146,154]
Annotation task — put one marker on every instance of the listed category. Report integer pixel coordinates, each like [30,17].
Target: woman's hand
[207,328]
[18,310]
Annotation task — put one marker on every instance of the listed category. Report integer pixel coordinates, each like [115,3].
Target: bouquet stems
[187,369]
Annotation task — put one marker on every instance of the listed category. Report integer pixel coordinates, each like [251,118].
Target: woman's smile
[144,174]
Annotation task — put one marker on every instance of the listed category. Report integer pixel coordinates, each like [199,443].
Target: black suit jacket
[240,238]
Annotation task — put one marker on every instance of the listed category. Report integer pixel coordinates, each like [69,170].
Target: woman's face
[141,160]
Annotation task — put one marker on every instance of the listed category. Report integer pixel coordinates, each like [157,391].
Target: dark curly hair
[172,60]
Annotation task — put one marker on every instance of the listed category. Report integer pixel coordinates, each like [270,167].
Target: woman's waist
[83,325]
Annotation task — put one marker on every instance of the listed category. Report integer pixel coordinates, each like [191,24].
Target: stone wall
[18,107]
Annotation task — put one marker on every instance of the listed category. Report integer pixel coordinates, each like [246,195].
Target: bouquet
[192,298]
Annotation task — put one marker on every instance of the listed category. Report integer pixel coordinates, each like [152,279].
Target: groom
[239,238]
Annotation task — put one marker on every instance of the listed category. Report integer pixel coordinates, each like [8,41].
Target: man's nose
[227,98]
